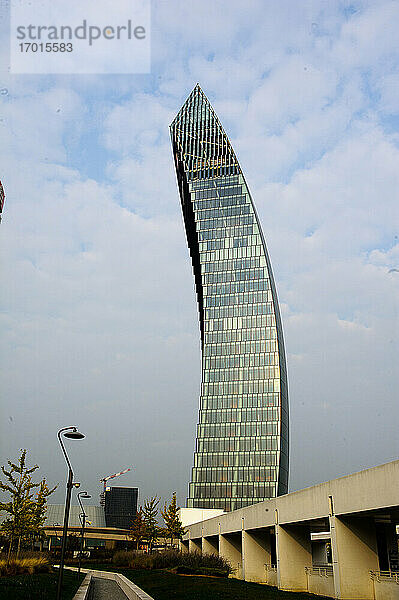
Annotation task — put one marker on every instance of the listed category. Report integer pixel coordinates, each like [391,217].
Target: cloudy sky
[99,324]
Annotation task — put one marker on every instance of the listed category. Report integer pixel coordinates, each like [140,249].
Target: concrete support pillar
[195,545]
[294,553]
[210,545]
[184,545]
[354,554]
[230,548]
[256,553]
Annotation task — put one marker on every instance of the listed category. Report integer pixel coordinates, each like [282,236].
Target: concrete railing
[83,592]
[386,585]
[322,571]
[320,580]
[131,591]
[385,576]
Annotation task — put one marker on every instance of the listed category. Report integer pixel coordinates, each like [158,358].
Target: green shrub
[188,562]
[19,566]
[123,558]
[206,563]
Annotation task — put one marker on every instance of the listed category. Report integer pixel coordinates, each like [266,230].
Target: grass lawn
[162,585]
[42,586]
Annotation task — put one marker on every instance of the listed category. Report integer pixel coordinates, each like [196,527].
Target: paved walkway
[105,589]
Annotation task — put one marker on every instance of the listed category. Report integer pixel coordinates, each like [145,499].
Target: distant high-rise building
[241,454]
[2,196]
[120,506]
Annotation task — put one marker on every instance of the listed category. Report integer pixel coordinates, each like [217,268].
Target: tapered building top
[201,139]
[241,454]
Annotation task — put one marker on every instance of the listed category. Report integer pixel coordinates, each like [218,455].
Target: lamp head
[74,434]
[84,495]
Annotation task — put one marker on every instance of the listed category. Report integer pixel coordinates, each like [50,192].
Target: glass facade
[120,506]
[241,454]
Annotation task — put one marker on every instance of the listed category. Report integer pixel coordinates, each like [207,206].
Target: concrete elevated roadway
[276,542]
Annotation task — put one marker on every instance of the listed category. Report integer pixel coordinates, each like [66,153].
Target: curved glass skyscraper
[241,454]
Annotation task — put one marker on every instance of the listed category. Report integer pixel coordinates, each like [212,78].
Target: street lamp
[83,521]
[71,433]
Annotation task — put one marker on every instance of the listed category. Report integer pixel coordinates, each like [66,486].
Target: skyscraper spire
[201,139]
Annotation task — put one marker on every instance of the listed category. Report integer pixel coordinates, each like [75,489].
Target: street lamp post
[73,434]
[83,521]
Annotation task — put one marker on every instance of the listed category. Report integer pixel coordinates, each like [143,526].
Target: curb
[130,589]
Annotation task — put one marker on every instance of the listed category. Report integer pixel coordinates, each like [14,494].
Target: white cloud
[99,322]
[388,87]
[368,38]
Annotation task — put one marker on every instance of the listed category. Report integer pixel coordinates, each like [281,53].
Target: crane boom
[105,479]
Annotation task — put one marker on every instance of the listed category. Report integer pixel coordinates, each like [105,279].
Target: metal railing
[271,568]
[326,571]
[385,576]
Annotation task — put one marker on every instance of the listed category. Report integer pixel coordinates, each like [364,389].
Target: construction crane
[104,481]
